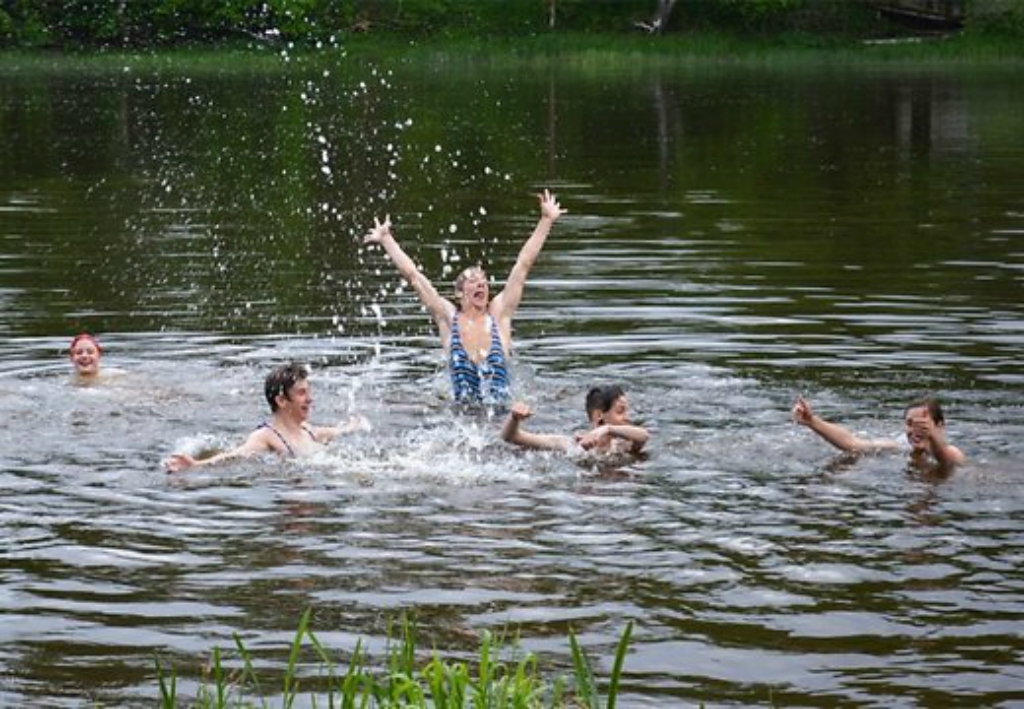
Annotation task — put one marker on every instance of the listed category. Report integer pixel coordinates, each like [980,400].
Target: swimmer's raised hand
[355,423]
[178,462]
[923,428]
[380,232]
[549,206]
[520,411]
[802,412]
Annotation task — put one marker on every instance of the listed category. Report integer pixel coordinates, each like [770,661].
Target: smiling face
[917,438]
[85,356]
[297,401]
[472,288]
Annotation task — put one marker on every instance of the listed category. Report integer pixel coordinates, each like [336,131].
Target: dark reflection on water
[734,237]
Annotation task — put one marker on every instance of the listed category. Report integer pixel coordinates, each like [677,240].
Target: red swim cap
[85,336]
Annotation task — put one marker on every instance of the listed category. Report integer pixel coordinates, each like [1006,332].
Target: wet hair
[281,380]
[933,406]
[603,398]
[464,276]
[85,336]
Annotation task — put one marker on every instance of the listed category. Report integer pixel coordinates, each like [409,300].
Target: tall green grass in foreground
[501,677]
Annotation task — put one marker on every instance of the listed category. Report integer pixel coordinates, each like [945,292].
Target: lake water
[736,236]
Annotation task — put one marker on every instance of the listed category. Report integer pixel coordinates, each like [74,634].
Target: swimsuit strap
[496,343]
[496,361]
[280,437]
[456,337]
[464,374]
[308,430]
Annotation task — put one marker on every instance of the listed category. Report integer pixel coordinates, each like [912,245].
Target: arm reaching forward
[255,444]
[354,424]
[835,434]
[513,432]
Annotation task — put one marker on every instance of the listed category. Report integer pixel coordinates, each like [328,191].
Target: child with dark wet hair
[611,431]
[287,433]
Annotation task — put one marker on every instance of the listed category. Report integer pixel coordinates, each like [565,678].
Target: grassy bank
[708,48]
[568,49]
[501,676]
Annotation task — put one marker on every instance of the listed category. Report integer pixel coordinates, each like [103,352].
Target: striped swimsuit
[483,383]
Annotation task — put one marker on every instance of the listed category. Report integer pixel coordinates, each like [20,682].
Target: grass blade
[290,683]
[168,689]
[585,686]
[247,669]
[620,658]
[218,680]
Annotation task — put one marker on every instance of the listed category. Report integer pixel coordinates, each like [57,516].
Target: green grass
[502,677]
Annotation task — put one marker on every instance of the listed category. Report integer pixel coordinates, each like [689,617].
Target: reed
[501,677]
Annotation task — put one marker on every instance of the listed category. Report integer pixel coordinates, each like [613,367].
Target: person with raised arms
[611,431]
[924,437]
[287,434]
[476,331]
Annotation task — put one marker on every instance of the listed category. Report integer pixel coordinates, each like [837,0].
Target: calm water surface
[735,237]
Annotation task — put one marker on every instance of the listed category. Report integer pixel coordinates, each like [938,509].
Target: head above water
[84,337]
[282,380]
[471,286]
[85,353]
[931,406]
[607,404]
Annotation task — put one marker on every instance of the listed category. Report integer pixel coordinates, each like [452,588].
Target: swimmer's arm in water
[257,442]
[441,310]
[507,302]
[354,424]
[835,434]
[512,432]
[637,436]
[946,454]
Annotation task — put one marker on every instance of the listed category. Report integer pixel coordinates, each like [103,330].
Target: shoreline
[568,49]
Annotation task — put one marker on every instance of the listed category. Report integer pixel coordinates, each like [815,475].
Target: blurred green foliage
[141,23]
